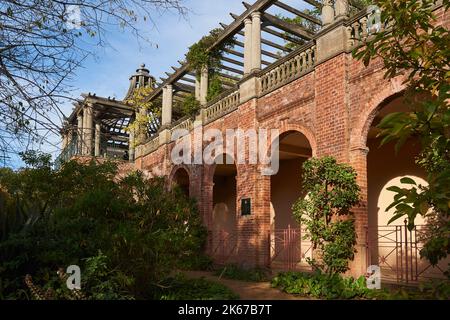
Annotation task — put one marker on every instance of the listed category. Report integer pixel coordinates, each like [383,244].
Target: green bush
[142,231]
[323,286]
[331,191]
[319,285]
[181,288]
[233,271]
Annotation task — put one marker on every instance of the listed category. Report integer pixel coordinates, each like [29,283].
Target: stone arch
[181,172]
[309,134]
[358,137]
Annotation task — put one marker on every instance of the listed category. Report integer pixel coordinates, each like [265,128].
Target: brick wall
[333,106]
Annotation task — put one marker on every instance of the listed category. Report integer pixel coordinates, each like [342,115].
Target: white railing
[294,67]
[222,107]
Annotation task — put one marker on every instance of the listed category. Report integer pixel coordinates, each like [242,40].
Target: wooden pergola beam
[183,87]
[264,41]
[298,12]
[238,63]
[314,3]
[241,55]
[263,52]
[297,30]
[237,71]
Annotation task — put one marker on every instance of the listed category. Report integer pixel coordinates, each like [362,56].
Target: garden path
[246,290]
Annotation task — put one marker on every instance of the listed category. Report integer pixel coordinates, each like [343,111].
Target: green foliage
[417,46]
[233,271]
[203,55]
[142,231]
[321,286]
[198,262]
[180,288]
[147,114]
[332,191]
[189,106]
[215,88]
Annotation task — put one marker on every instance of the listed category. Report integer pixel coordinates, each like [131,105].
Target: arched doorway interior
[287,246]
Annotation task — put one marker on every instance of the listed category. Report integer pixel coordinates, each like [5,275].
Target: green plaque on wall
[246,207]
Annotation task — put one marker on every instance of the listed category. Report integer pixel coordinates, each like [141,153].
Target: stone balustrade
[149,147]
[362,26]
[186,124]
[289,68]
[220,108]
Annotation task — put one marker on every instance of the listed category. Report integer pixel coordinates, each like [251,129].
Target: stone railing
[289,68]
[148,147]
[362,25]
[220,108]
[186,124]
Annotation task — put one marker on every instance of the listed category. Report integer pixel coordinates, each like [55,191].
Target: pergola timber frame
[280,29]
[257,44]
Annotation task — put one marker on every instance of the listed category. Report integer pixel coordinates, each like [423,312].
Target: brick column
[358,160]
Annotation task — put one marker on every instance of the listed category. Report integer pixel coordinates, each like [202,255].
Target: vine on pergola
[203,55]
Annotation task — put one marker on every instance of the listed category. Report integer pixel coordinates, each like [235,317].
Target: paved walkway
[246,290]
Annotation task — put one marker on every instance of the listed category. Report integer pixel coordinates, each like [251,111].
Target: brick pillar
[262,212]
[206,208]
[358,160]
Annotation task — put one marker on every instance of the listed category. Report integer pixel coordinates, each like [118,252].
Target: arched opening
[287,245]
[385,168]
[181,179]
[224,196]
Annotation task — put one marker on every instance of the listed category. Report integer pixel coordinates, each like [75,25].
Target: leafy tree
[42,43]
[331,191]
[416,45]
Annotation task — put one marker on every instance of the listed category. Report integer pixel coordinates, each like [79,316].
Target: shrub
[332,191]
[142,231]
[319,285]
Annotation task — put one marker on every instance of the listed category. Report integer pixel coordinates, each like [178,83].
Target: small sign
[246,207]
